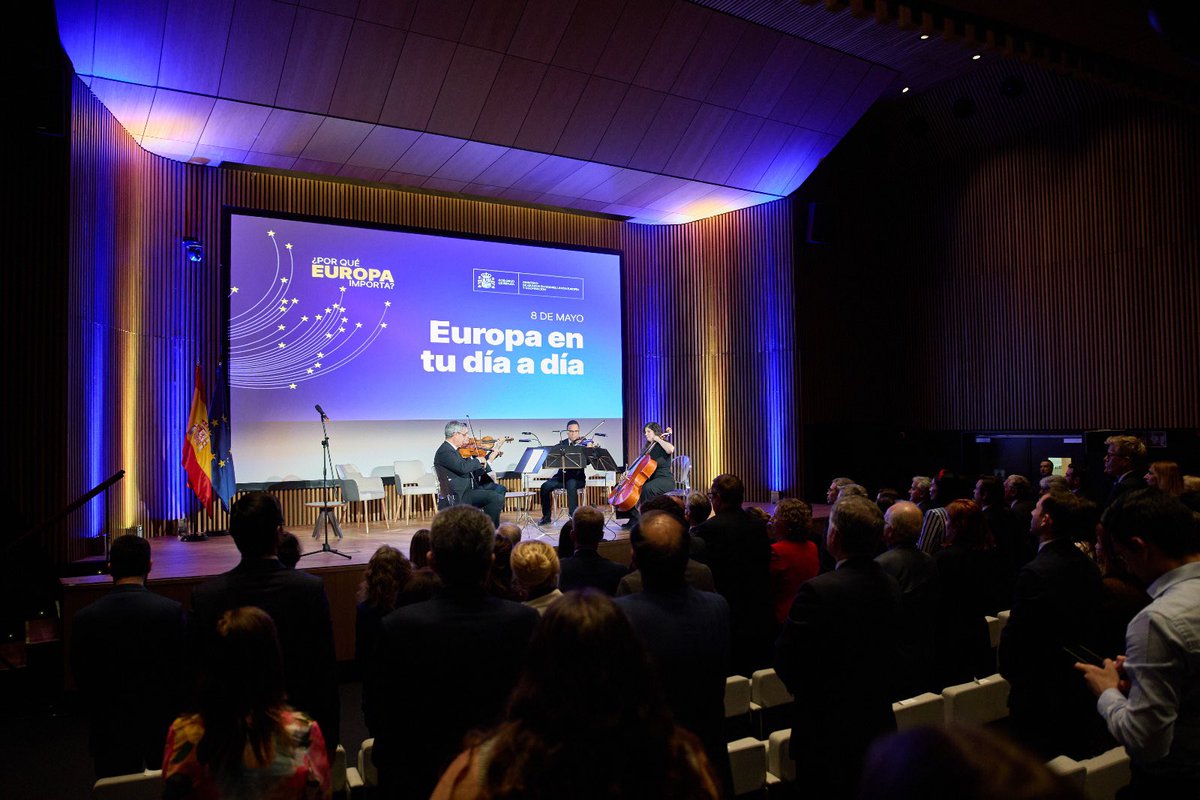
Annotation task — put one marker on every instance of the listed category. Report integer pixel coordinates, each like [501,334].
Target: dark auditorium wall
[1045,277]
[709,327]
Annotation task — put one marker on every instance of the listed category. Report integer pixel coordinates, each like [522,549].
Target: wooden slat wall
[1050,282]
[718,363]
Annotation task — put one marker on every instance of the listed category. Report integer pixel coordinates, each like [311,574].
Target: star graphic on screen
[383,324]
[294,301]
[317,365]
[329,336]
[291,386]
[305,319]
[318,317]
[345,320]
[233,290]
[358,324]
[270,233]
[341,330]
[282,345]
[309,371]
[342,289]
[328,309]
[283,327]
[288,245]
[283,280]
[283,309]
[320,355]
[386,303]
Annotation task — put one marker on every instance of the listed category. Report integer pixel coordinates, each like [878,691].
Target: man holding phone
[1150,697]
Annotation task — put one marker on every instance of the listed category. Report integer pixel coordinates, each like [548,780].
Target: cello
[626,494]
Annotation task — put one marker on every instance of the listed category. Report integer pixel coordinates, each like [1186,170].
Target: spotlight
[924,36]
[194,250]
[976,57]
[904,90]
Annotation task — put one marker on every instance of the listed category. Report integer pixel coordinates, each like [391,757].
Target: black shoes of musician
[627,525]
[544,521]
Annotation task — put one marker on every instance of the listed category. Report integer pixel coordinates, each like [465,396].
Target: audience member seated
[959,762]
[126,653]
[587,719]
[566,545]
[500,580]
[945,489]
[418,549]
[462,647]
[382,590]
[836,654]
[696,575]
[916,573]
[535,572]
[295,600]
[245,741]
[697,510]
[289,550]
[686,632]
[1056,608]
[587,567]
[738,551]
[1166,477]
[968,573]
[1123,460]
[1150,696]
[793,554]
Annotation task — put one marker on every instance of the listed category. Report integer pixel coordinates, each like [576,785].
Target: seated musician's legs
[547,492]
[573,486]
[487,500]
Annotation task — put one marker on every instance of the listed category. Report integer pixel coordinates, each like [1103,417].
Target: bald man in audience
[916,572]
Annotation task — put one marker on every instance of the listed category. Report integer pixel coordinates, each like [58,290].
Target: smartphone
[1083,655]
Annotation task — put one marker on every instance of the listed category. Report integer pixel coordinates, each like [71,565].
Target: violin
[626,494]
[485,447]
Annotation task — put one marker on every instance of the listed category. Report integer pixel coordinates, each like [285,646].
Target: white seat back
[1068,769]
[980,702]
[366,763]
[767,689]
[748,763]
[1106,774]
[924,709]
[737,696]
[146,785]
[408,471]
[779,757]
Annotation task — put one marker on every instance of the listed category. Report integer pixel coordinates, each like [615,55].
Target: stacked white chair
[979,702]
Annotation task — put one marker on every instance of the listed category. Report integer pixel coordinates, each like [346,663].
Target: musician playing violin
[661,481]
[466,474]
[570,479]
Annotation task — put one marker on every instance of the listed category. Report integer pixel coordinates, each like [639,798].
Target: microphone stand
[326,468]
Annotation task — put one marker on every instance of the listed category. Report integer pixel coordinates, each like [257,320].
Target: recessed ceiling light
[904,90]
[976,57]
[924,35]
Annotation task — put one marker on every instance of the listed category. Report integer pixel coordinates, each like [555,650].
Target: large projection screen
[395,332]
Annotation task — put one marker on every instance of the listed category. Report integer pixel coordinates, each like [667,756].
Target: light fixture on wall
[194,250]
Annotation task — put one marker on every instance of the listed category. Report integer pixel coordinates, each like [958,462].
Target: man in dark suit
[837,652]
[916,573]
[572,480]
[686,632]
[1014,543]
[1056,606]
[738,551]
[587,567]
[445,666]
[465,474]
[1124,462]
[126,656]
[294,599]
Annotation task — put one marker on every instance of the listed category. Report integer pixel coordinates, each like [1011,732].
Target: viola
[485,447]
[626,494]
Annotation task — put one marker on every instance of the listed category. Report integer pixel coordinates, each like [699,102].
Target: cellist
[661,482]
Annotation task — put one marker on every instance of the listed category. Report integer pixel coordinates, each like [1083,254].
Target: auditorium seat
[748,763]
[146,785]
[1107,774]
[924,709]
[366,764]
[995,625]
[343,779]
[779,758]
[980,701]
[770,701]
[737,706]
[1069,769]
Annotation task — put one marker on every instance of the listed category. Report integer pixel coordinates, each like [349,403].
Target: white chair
[995,625]
[768,699]
[413,481]
[1068,769]
[146,785]
[1106,774]
[779,757]
[980,701]
[748,763]
[366,763]
[737,696]
[924,709]
[343,779]
[359,488]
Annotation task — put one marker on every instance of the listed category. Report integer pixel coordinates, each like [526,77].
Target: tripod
[326,520]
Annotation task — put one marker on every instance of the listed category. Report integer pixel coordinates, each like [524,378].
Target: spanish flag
[197,447]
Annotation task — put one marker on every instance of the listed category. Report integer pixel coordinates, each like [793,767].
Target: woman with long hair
[1166,477]
[585,720]
[245,741]
[970,575]
[384,580]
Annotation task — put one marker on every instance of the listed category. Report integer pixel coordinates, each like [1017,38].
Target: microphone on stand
[321,411]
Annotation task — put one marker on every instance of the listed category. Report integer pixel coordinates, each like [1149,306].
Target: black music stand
[601,460]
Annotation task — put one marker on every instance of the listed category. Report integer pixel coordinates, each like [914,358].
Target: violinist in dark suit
[465,474]
[570,479]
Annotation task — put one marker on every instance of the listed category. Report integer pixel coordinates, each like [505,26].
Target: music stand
[530,463]
[601,460]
